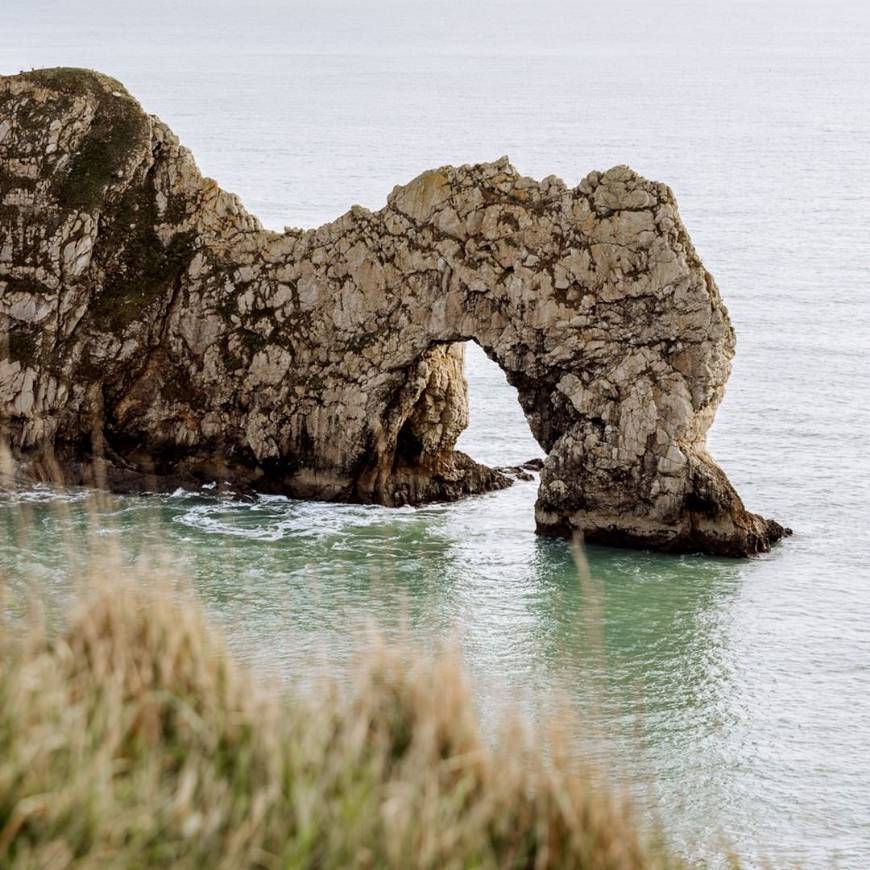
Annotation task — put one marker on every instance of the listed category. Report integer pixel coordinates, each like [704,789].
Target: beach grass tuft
[130,737]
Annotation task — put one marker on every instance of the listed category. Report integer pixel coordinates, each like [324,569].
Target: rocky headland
[156,335]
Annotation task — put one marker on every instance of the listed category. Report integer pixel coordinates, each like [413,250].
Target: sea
[730,698]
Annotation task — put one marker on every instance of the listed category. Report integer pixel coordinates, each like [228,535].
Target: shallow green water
[688,689]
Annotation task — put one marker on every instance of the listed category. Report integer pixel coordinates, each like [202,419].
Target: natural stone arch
[326,363]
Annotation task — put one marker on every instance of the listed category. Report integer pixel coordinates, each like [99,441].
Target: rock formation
[156,334]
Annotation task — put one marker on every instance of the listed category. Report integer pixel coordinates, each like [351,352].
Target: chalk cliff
[156,334]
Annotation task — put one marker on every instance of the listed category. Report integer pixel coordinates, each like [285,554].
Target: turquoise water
[733,697]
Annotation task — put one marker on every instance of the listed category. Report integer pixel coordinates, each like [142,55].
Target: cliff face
[154,324]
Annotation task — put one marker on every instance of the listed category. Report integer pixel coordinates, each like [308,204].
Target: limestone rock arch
[151,318]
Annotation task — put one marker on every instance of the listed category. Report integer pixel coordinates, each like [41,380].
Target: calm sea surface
[733,697]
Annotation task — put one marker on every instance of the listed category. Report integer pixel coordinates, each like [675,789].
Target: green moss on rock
[147,274]
[74,80]
[102,154]
[24,284]
[118,124]
[139,268]
[21,347]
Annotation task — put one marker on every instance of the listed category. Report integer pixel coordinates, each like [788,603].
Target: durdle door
[150,321]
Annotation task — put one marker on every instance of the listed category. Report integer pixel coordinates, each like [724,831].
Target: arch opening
[460,430]
[498,432]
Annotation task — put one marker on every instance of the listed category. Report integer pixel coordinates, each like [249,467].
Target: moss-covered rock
[117,126]
[21,347]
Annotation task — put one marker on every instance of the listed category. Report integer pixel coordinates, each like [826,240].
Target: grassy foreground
[132,739]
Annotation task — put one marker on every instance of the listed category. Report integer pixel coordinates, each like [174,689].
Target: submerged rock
[159,336]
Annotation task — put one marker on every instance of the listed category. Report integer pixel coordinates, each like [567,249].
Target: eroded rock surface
[154,323]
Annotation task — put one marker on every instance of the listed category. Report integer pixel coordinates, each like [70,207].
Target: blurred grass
[129,737]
